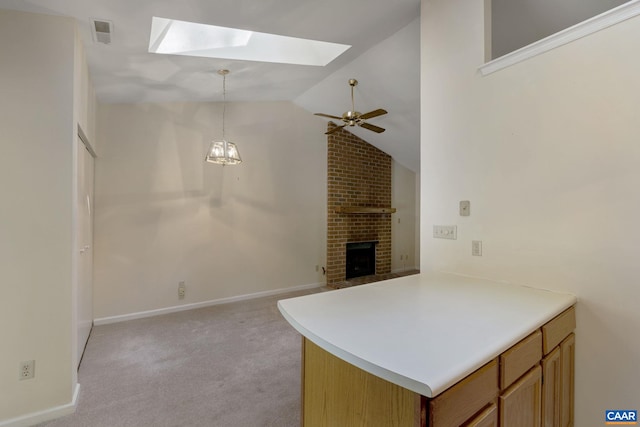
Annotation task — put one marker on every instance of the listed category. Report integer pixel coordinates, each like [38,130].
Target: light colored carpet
[231,365]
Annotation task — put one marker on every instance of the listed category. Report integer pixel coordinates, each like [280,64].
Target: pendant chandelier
[223,152]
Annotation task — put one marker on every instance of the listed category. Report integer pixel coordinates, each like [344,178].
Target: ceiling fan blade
[374,113]
[335,129]
[327,115]
[374,128]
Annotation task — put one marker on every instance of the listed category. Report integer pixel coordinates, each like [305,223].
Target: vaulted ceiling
[384,57]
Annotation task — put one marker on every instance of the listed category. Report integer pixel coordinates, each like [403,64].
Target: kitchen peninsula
[435,349]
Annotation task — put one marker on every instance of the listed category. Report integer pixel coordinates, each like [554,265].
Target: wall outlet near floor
[181,290]
[445,232]
[476,247]
[27,369]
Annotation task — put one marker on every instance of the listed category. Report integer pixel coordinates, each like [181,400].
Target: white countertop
[423,332]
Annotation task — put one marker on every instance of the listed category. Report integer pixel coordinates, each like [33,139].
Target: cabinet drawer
[558,329]
[487,418]
[458,403]
[516,361]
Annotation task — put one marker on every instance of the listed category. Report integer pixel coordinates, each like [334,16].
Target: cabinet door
[487,418]
[567,369]
[551,396]
[521,404]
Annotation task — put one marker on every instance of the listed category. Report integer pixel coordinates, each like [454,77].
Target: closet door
[84,226]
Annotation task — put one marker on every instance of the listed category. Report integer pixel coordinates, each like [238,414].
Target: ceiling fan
[354,118]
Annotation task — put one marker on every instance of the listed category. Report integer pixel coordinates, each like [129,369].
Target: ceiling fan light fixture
[355,118]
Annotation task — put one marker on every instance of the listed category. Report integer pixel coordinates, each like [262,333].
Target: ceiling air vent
[101,30]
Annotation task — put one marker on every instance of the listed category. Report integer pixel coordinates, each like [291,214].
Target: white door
[85,244]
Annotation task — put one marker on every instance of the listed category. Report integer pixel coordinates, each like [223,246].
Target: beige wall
[547,152]
[36,173]
[404,223]
[163,215]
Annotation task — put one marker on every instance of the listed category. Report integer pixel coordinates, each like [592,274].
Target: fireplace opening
[361,259]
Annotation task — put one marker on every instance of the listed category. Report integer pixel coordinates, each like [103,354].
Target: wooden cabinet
[336,393]
[546,401]
[558,389]
[567,382]
[557,329]
[551,395]
[516,361]
[487,418]
[558,366]
[462,401]
[529,385]
[520,405]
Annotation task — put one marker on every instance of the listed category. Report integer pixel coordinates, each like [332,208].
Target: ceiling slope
[384,57]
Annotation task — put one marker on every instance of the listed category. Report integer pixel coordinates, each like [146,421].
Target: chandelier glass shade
[223,152]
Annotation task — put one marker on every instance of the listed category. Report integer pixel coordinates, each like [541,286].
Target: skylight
[173,37]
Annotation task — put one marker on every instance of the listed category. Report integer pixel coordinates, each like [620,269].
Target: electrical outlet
[181,290]
[445,232]
[476,247]
[27,369]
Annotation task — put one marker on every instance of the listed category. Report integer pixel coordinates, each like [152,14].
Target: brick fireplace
[358,182]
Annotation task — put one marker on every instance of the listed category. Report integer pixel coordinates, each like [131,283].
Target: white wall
[404,223]
[163,215]
[36,173]
[547,152]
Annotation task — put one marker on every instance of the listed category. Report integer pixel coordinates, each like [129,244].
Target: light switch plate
[445,232]
[465,208]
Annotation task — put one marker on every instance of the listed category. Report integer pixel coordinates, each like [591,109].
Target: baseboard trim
[46,415]
[178,308]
